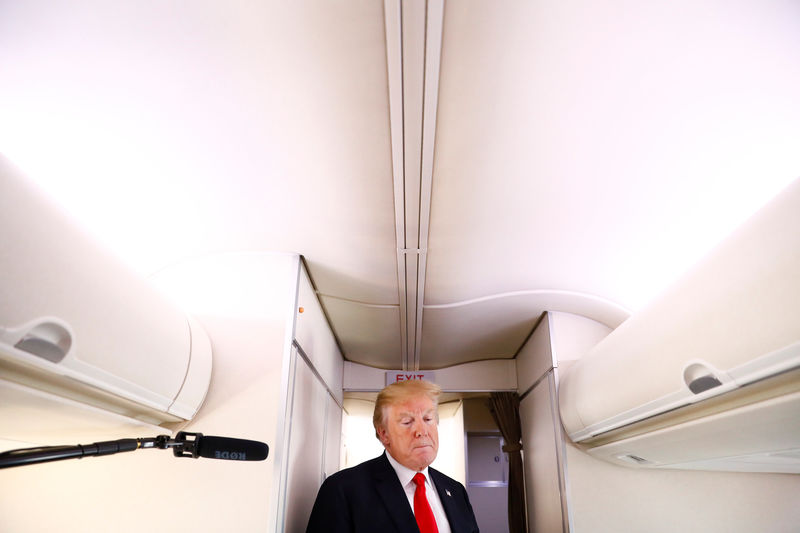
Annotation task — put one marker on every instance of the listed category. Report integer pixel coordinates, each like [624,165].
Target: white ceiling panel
[490,329]
[181,128]
[368,334]
[585,151]
[604,147]
[496,327]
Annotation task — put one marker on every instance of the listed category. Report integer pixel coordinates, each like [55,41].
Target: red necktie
[422,509]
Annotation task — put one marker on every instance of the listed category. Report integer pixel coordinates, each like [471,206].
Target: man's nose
[420,429]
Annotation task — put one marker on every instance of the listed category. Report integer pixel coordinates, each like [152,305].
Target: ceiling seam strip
[394,65]
[419,263]
[404,334]
[357,302]
[531,292]
[413,41]
[433,46]
[413,34]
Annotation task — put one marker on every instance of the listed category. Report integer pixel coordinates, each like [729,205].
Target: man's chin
[424,457]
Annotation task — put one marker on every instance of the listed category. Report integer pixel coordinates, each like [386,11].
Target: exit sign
[394,376]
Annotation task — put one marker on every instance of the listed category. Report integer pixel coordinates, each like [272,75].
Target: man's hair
[400,392]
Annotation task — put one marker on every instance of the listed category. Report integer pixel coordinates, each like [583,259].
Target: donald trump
[397,491]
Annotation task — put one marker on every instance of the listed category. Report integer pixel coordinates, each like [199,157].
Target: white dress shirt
[406,477]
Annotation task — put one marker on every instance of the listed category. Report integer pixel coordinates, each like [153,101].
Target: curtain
[504,407]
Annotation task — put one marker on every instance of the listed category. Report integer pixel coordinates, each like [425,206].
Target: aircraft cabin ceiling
[448,169]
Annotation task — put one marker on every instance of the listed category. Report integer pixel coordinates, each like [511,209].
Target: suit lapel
[447,496]
[394,497]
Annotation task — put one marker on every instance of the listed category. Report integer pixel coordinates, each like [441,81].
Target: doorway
[487,481]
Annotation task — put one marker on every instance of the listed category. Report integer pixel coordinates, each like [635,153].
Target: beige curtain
[504,407]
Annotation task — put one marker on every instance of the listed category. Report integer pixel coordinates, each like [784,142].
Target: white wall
[542,444]
[359,442]
[543,459]
[313,433]
[608,498]
[451,458]
[245,304]
[144,489]
[603,497]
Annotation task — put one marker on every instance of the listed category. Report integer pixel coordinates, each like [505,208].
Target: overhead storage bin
[730,323]
[76,323]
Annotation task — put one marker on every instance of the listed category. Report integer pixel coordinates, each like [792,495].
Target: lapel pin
[448,493]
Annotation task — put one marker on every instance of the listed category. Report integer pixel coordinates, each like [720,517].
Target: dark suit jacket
[369,498]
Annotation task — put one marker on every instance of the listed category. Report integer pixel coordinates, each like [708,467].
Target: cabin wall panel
[535,357]
[572,336]
[558,338]
[334,416]
[245,302]
[603,497]
[313,444]
[477,417]
[490,505]
[313,428]
[56,274]
[610,498]
[542,442]
[733,317]
[306,445]
[451,458]
[542,445]
[130,492]
[359,442]
[315,338]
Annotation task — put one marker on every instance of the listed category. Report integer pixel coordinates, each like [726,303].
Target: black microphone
[213,447]
[232,449]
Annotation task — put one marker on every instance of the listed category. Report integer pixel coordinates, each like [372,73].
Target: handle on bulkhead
[48,338]
[699,377]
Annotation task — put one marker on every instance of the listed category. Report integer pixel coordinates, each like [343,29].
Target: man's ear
[383,436]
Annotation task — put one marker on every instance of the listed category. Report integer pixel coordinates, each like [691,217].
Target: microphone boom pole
[184,445]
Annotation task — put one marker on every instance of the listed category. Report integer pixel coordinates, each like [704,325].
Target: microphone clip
[186,444]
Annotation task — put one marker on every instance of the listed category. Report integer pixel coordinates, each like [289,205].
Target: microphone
[213,447]
[233,449]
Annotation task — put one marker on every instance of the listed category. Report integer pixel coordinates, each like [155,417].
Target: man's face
[410,433]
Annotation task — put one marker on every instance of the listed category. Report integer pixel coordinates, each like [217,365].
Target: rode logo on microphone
[235,456]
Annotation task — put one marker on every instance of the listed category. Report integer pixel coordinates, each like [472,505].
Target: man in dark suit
[397,492]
